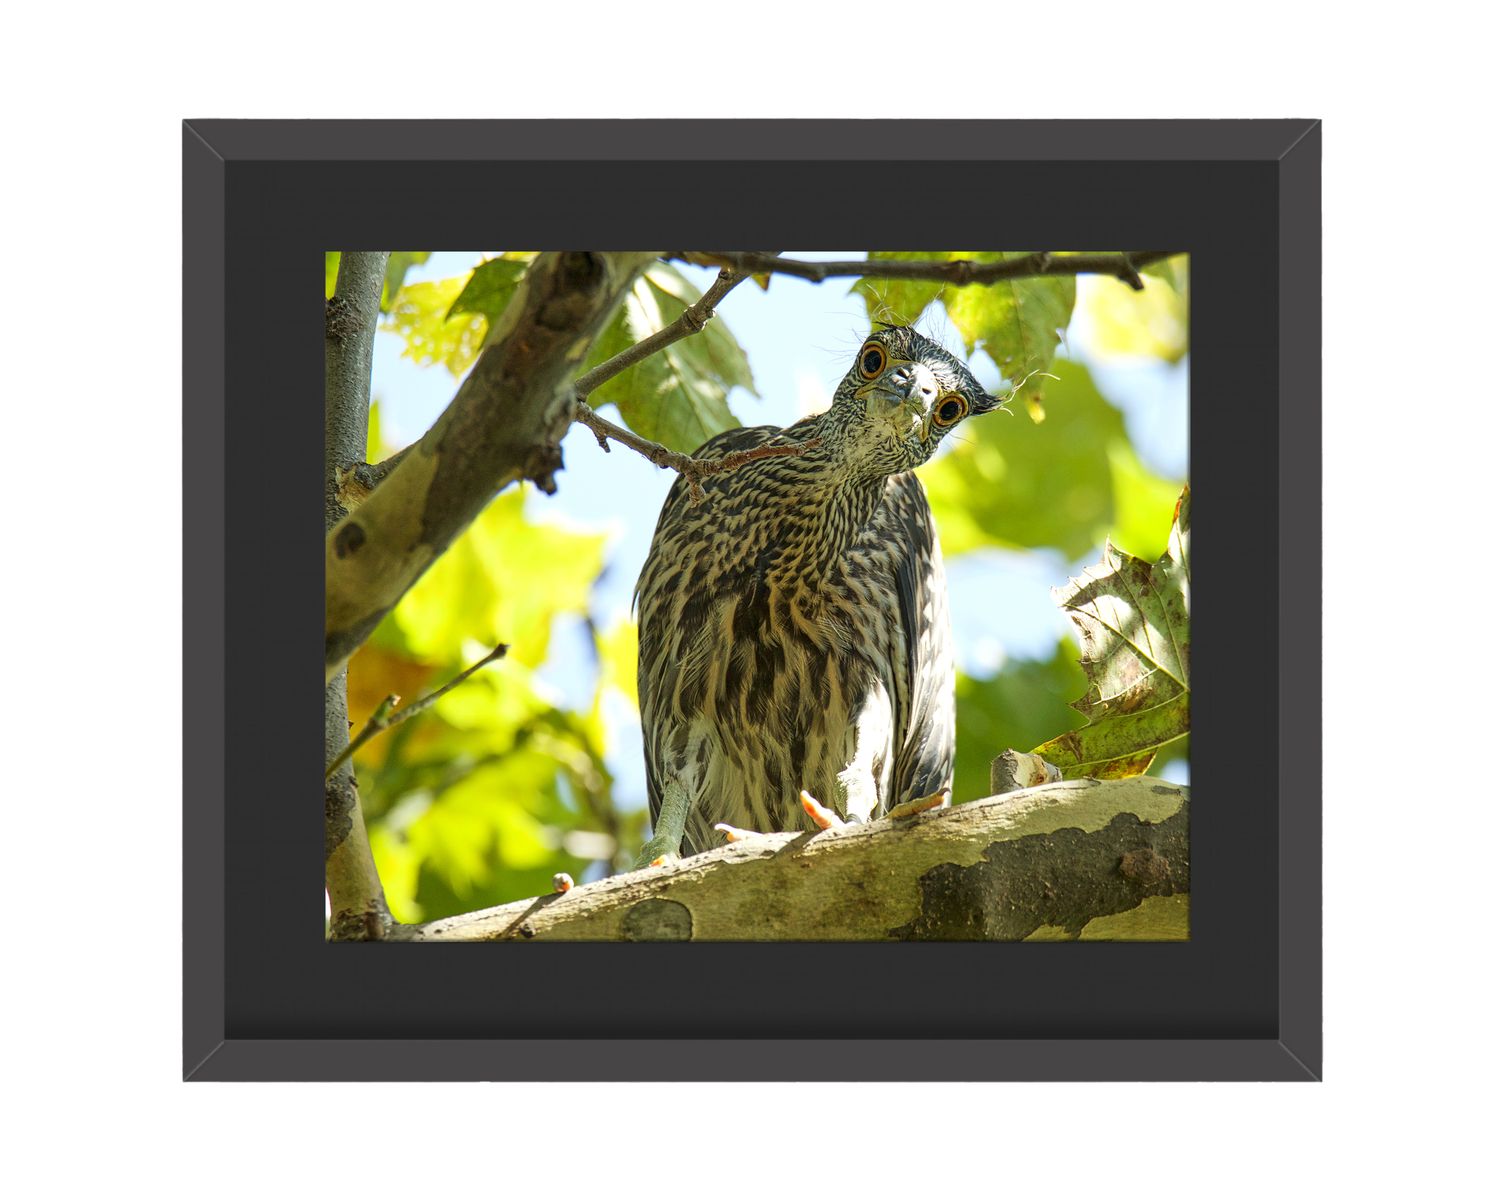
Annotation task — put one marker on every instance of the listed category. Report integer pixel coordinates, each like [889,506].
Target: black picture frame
[266,998]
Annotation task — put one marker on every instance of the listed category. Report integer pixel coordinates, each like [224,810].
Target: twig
[1123,266]
[693,319]
[387,716]
[694,470]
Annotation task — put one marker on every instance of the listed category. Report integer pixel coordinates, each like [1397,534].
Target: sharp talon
[921,804]
[823,818]
[733,834]
[663,860]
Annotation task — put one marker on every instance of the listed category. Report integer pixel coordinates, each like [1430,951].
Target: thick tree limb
[355,895]
[1050,862]
[1124,266]
[504,424]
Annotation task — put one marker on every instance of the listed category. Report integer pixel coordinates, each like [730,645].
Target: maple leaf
[1132,622]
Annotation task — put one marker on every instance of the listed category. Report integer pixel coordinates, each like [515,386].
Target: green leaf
[1010,481]
[374,447]
[1017,322]
[396,267]
[678,396]
[420,316]
[1144,503]
[504,580]
[1150,323]
[1132,621]
[1174,271]
[899,301]
[618,651]
[489,289]
[330,272]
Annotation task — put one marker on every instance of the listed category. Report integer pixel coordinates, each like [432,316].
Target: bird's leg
[666,835]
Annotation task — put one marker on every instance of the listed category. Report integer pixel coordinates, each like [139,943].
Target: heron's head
[901,398]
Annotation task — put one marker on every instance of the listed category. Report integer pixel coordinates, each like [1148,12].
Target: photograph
[757,596]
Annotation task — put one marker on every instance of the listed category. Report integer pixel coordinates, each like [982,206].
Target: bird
[796,665]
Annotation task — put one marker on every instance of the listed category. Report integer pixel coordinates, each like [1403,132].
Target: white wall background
[93,93]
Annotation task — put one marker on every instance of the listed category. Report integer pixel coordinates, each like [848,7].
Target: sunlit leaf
[399,865]
[1132,622]
[504,580]
[899,301]
[1173,271]
[330,272]
[1017,322]
[1144,503]
[618,651]
[375,449]
[491,837]
[420,315]
[1151,323]
[396,268]
[1011,481]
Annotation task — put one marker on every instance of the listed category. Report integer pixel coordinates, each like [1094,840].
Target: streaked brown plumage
[794,624]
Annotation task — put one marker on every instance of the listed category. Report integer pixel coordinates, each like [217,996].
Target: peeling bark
[505,423]
[1041,863]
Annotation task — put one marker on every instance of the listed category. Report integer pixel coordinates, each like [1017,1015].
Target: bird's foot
[826,818]
[657,853]
[822,816]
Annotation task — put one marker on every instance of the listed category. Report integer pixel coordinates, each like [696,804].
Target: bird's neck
[821,509]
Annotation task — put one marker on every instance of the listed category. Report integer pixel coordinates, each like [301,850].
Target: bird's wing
[924,737]
[657,670]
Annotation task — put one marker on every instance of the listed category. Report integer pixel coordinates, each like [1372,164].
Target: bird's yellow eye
[871,360]
[950,410]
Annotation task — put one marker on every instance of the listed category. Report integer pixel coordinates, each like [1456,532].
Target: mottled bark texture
[1052,862]
[505,423]
[355,896]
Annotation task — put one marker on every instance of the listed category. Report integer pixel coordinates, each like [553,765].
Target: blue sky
[800,338]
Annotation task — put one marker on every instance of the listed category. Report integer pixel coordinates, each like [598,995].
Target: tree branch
[355,895]
[1124,266]
[504,424]
[387,716]
[694,470]
[693,320]
[1082,857]
[358,479]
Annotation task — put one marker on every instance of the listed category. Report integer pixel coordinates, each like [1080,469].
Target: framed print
[809,648]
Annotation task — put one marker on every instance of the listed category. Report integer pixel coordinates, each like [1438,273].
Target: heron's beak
[901,395]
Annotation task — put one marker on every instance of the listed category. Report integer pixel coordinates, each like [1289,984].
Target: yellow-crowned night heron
[794,624]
